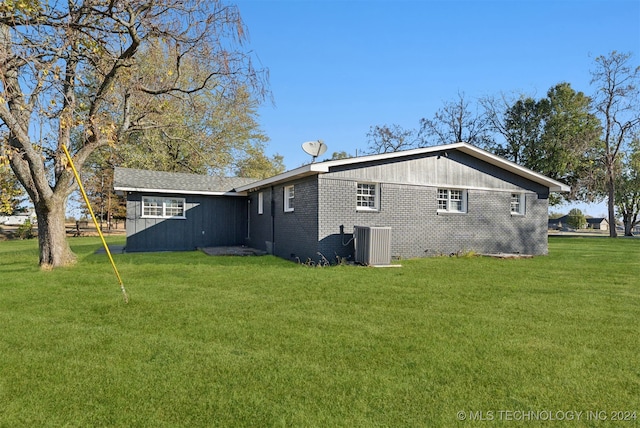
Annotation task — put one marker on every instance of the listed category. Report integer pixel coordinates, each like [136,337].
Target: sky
[337,68]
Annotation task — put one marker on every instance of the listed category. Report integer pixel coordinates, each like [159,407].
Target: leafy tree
[628,190]
[569,141]
[576,219]
[616,105]
[453,123]
[74,70]
[206,135]
[340,155]
[258,165]
[555,135]
[520,124]
[385,139]
[11,193]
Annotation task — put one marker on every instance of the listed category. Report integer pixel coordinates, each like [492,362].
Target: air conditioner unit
[372,245]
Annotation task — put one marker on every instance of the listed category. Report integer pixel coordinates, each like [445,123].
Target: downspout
[273,221]
[248,239]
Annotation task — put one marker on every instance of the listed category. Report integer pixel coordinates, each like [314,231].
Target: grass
[259,341]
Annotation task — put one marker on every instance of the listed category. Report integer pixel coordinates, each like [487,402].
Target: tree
[206,135]
[570,142]
[520,124]
[628,190]
[385,139]
[340,155]
[258,165]
[97,176]
[11,193]
[556,136]
[454,123]
[576,219]
[616,105]
[74,69]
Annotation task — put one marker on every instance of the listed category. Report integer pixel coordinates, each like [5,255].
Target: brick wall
[418,229]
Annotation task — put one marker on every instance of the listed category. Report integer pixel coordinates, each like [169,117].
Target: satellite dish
[314,148]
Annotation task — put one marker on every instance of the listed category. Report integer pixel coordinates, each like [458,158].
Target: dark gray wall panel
[210,221]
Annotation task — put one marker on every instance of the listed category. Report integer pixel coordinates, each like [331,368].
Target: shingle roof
[128,180]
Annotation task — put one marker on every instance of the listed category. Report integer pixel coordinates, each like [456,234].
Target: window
[174,207]
[517,204]
[152,207]
[163,207]
[450,200]
[288,198]
[367,197]
[260,203]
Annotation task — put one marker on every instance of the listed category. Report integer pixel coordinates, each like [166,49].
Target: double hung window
[452,200]
[289,197]
[367,197]
[517,204]
[260,203]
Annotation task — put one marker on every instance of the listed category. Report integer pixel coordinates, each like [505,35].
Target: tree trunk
[52,238]
[629,219]
[611,191]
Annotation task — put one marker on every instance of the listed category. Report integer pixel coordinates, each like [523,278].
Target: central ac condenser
[372,245]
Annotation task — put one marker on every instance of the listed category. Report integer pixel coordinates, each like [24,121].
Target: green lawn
[259,341]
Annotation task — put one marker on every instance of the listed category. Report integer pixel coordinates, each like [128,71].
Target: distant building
[561,223]
[597,223]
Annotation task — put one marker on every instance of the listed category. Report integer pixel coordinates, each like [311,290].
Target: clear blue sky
[339,67]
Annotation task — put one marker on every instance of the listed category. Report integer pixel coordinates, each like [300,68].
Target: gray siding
[292,235]
[210,221]
[456,169]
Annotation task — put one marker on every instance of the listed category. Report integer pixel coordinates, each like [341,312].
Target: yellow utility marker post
[95,222]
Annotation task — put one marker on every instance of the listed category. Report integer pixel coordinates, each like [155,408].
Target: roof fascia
[303,171]
[178,192]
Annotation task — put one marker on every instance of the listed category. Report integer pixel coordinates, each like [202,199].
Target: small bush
[25,231]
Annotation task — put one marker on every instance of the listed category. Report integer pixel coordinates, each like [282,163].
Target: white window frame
[289,198]
[365,200]
[165,207]
[517,204]
[446,198]
[261,203]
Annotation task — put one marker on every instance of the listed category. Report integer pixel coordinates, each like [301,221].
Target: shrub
[25,230]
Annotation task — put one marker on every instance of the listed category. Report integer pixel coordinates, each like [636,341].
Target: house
[18,219]
[557,223]
[597,223]
[435,200]
[561,223]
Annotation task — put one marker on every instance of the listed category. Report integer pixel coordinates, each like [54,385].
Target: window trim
[522,204]
[288,198]
[376,196]
[448,210]
[163,206]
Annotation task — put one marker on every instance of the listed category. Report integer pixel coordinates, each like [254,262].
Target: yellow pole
[95,222]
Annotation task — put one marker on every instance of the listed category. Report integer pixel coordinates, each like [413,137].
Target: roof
[596,220]
[138,180]
[323,167]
